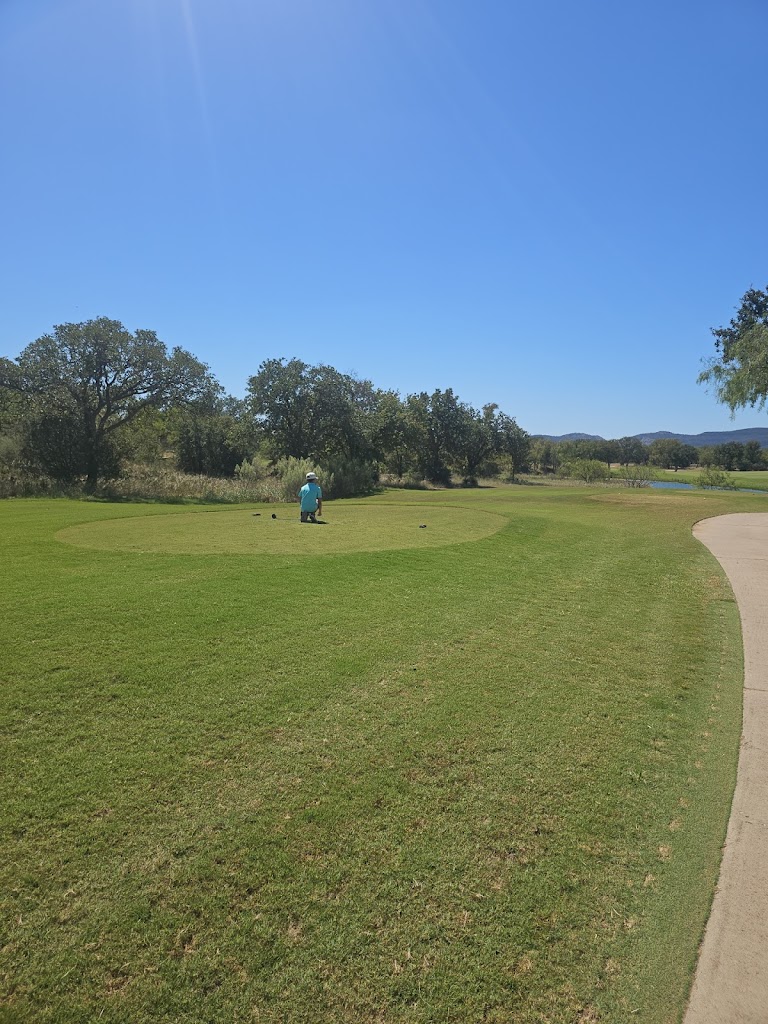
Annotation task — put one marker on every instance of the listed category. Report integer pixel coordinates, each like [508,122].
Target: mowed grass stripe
[455,784]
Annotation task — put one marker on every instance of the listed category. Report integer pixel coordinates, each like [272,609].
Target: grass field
[364,772]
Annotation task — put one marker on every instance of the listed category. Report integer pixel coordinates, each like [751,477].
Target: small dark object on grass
[257,513]
[274,516]
[423,526]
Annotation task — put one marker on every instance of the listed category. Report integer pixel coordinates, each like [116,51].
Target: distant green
[481,774]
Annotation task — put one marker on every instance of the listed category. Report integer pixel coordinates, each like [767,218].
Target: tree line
[81,402]
[665,452]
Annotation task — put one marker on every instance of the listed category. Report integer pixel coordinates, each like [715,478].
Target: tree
[86,381]
[514,444]
[211,444]
[476,440]
[739,373]
[708,456]
[280,395]
[13,457]
[311,412]
[631,450]
[545,455]
[733,455]
[753,455]
[569,451]
[607,452]
[670,453]
[150,436]
[390,434]
[437,421]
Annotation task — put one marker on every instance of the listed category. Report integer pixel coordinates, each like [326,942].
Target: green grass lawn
[364,772]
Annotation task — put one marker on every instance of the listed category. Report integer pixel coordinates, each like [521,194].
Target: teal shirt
[309,495]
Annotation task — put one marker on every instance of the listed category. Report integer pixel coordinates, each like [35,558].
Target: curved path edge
[731,981]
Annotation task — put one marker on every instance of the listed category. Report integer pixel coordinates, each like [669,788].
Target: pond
[680,486]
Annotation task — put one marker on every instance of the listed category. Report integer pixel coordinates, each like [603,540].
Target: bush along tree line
[81,404]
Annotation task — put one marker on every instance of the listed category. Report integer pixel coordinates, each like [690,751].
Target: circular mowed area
[272,529]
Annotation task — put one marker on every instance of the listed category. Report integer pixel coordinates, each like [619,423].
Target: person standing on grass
[310,499]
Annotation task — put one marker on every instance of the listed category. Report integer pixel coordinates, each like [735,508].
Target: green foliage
[92,379]
[348,478]
[255,469]
[513,445]
[92,397]
[449,435]
[712,477]
[707,456]
[739,373]
[10,453]
[754,456]
[733,455]
[148,436]
[209,444]
[161,482]
[436,423]
[476,441]
[670,453]
[590,471]
[13,456]
[393,435]
[630,450]
[637,475]
[311,412]
[339,478]
[292,475]
[61,448]
[544,455]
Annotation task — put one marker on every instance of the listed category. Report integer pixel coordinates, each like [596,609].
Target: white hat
[311,476]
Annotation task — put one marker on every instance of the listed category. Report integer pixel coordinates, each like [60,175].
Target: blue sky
[539,203]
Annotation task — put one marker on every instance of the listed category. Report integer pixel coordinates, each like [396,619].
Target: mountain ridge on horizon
[703,440]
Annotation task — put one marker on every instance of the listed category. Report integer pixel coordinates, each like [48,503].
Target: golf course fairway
[454,756]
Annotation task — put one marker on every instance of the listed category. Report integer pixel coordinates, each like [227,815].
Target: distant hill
[712,437]
[704,440]
[571,437]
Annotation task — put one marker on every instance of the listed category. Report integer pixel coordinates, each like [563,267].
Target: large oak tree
[86,381]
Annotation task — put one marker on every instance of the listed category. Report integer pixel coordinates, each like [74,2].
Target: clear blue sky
[540,203]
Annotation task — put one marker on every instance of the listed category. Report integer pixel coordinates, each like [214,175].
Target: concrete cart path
[731,983]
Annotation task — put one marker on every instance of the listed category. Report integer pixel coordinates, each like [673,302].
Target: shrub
[23,484]
[253,470]
[159,482]
[291,476]
[588,470]
[348,478]
[637,476]
[714,478]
